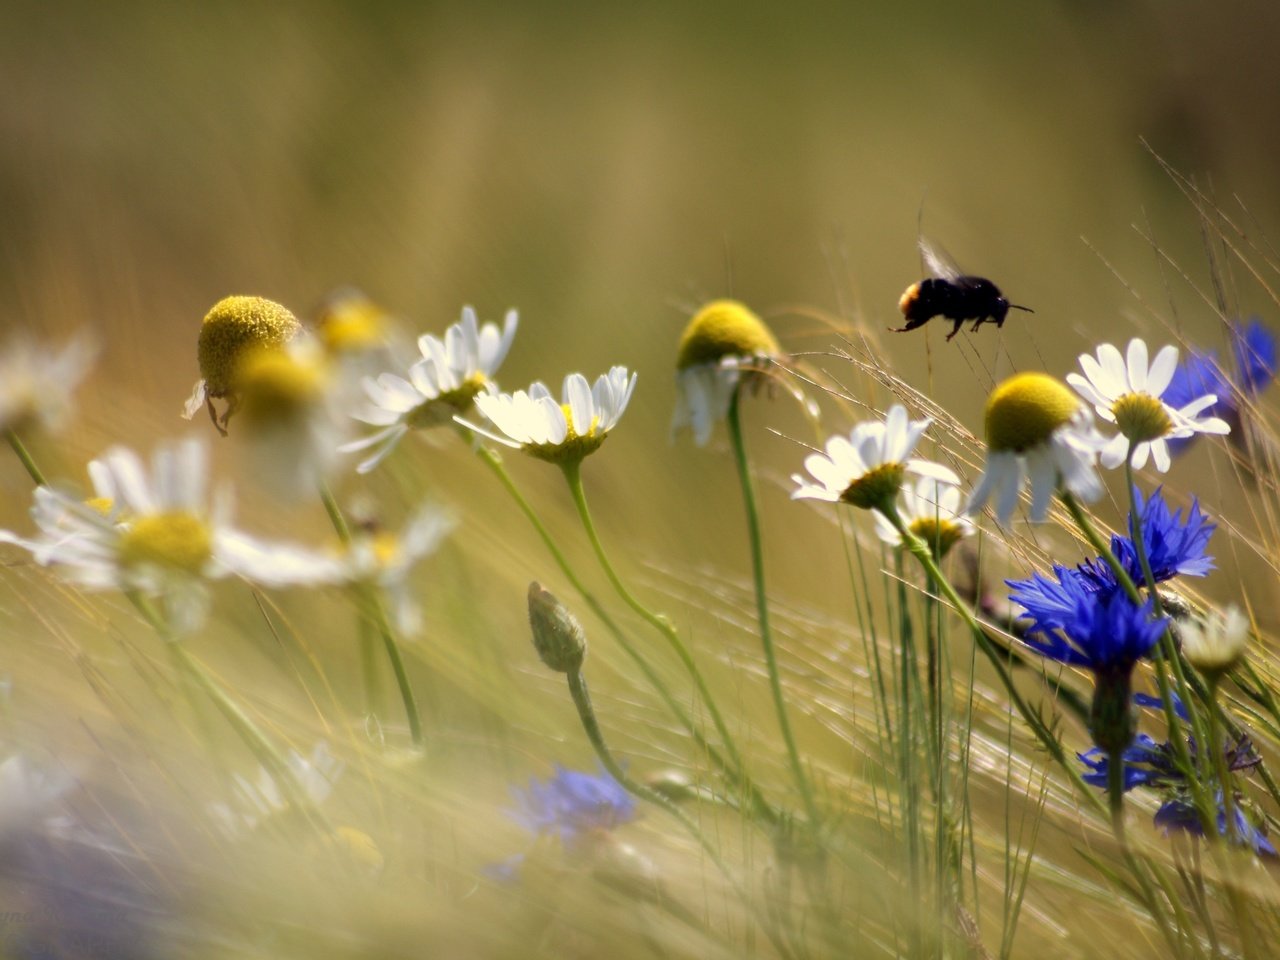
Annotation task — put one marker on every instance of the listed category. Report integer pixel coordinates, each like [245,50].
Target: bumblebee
[954,295]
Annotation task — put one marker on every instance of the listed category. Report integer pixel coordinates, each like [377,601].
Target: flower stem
[573,476]
[1033,720]
[1115,791]
[25,456]
[731,769]
[373,612]
[734,421]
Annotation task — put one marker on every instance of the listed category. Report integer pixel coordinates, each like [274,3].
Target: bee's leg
[213,414]
[911,325]
[955,329]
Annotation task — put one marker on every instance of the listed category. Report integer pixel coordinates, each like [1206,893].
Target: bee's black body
[955,296]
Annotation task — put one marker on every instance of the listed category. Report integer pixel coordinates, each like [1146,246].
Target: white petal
[1137,363]
[1115,381]
[578,394]
[1162,370]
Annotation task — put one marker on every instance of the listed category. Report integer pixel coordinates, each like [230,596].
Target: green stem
[734,421]
[373,611]
[586,714]
[734,772]
[1115,791]
[573,476]
[25,456]
[1033,720]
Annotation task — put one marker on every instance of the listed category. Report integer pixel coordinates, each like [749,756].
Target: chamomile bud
[1217,643]
[724,345]
[1037,428]
[234,327]
[557,635]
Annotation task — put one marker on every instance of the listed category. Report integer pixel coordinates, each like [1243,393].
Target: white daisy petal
[1137,365]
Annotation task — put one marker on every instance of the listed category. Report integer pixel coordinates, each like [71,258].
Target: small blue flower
[1146,764]
[572,804]
[1253,347]
[1174,546]
[1180,814]
[1080,624]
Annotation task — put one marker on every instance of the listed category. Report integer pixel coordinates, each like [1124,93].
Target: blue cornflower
[1180,814]
[572,804]
[1253,347]
[1078,623]
[1146,764]
[1175,545]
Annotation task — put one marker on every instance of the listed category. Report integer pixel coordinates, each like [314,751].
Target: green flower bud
[557,635]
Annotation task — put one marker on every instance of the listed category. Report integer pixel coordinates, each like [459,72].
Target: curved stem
[28,462]
[586,714]
[762,607]
[735,774]
[573,476]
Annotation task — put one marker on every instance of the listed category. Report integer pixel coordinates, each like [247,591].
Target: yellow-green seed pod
[724,328]
[1025,410]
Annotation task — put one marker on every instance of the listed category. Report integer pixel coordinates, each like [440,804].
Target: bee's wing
[938,262]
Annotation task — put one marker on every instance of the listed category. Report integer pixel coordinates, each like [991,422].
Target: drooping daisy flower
[559,431]
[1127,391]
[156,532]
[931,509]
[36,383]
[288,415]
[378,557]
[724,345]
[866,468]
[442,385]
[232,328]
[1036,428]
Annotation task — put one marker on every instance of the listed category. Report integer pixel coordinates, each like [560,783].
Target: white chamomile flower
[866,468]
[1037,429]
[288,415]
[1216,644]
[155,532]
[443,384]
[379,557]
[724,345]
[36,383]
[1126,391]
[932,509]
[564,430]
[259,800]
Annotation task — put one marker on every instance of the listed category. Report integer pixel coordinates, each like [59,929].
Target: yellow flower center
[573,447]
[875,487]
[1025,410]
[175,539]
[386,548]
[233,326]
[275,387]
[940,535]
[724,328]
[1141,417]
[351,323]
[101,505]
[445,407]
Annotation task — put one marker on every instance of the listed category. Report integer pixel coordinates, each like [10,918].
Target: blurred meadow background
[605,170]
